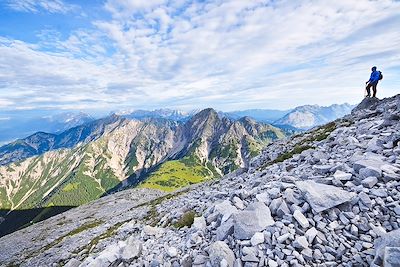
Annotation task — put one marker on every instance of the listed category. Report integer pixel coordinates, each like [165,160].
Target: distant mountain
[18,124]
[42,142]
[306,117]
[261,115]
[171,114]
[153,153]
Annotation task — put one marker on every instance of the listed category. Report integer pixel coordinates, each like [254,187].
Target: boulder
[392,257]
[226,209]
[322,197]
[225,229]
[220,251]
[254,219]
[390,239]
[369,181]
[132,250]
[368,163]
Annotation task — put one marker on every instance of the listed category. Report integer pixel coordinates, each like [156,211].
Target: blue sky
[227,54]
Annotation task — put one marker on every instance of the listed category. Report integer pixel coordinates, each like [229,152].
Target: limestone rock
[220,251]
[301,219]
[254,219]
[322,197]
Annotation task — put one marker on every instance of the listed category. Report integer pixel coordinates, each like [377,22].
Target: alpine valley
[44,172]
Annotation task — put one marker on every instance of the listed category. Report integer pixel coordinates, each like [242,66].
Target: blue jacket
[374,76]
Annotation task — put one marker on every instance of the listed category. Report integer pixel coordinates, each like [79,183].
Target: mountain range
[19,124]
[89,161]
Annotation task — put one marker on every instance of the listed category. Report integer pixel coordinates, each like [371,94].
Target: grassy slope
[176,174]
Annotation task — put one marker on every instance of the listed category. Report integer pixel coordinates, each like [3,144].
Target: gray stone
[226,209]
[152,231]
[322,169]
[370,171]
[250,258]
[272,263]
[199,223]
[392,257]
[254,219]
[132,250]
[368,163]
[342,176]
[220,251]
[379,192]
[300,242]
[310,234]
[263,197]
[238,203]
[365,199]
[283,237]
[301,219]
[283,209]
[258,238]
[72,263]
[172,252]
[274,205]
[322,197]
[369,181]
[274,192]
[225,229]
[390,239]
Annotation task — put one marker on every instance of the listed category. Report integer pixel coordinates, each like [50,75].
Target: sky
[227,54]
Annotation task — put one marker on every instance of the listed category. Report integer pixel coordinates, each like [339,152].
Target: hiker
[373,82]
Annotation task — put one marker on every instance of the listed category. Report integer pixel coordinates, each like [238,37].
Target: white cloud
[226,54]
[52,6]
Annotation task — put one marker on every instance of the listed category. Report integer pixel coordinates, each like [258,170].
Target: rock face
[282,211]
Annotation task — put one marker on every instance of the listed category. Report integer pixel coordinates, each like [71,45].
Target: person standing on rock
[373,82]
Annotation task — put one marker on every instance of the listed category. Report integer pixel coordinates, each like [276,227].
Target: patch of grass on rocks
[186,220]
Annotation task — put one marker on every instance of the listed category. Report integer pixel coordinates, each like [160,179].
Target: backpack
[380,75]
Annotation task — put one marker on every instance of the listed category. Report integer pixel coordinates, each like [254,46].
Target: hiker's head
[373,68]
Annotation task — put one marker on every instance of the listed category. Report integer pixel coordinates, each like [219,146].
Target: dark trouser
[373,85]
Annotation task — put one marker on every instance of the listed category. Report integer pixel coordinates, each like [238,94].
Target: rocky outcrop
[310,189]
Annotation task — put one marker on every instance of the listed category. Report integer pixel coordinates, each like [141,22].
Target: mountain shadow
[11,221]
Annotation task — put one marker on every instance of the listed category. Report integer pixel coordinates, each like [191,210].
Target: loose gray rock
[322,197]
[369,181]
[132,250]
[254,219]
[220,251]
[392,257]
[72,263]
[199,223]
[258,238]
[390,239]
[301,219]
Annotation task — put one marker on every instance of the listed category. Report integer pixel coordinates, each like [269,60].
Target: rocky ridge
[329,197]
